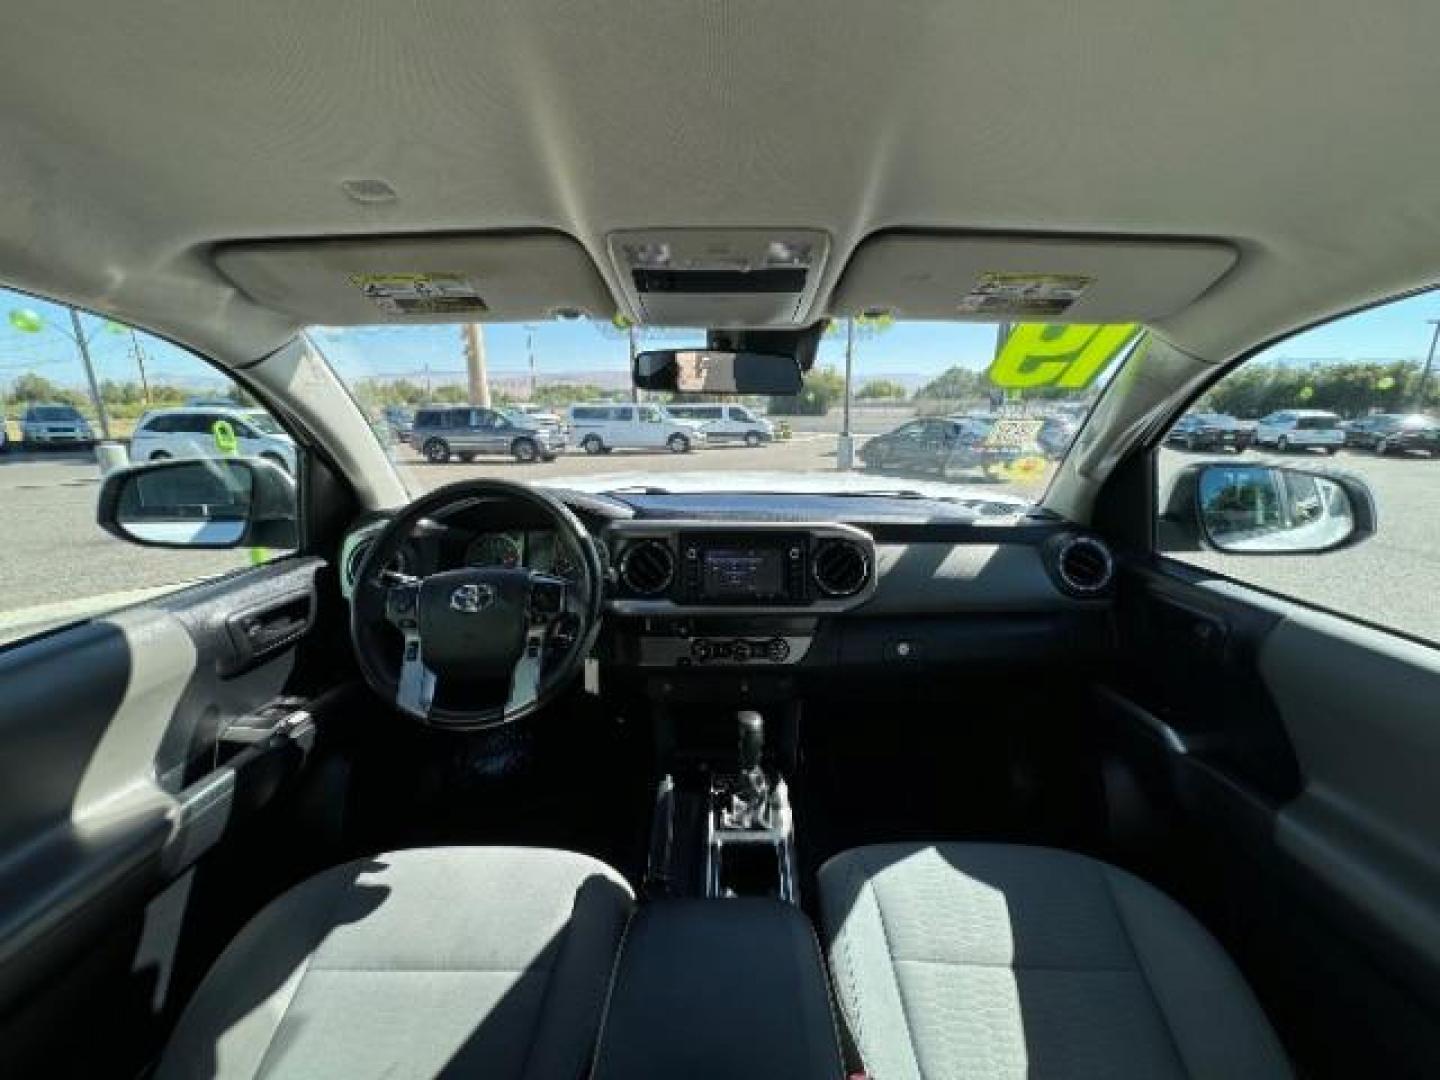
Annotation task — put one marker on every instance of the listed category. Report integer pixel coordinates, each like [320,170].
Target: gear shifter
[750,804]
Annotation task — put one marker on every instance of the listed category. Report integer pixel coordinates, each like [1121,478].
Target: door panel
[1304,747]
[117,778]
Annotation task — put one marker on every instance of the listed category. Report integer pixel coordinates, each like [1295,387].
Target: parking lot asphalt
[55,556]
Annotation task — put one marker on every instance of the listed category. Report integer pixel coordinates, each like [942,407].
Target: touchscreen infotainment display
[731,573]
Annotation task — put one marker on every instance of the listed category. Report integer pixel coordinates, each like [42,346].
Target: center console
[719,990]
[723,830]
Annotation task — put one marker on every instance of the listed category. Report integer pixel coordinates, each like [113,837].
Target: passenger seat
[961,960]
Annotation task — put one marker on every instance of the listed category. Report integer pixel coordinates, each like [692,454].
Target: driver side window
[1359,398]
[60,430]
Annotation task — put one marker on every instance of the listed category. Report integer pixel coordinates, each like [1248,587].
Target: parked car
[1388,433]
[55,425]
[539,413]
[599,429]
[401,422]
[727,423]
[1300,429]
[954,444]
[1056,434]
[4,434]
[1209,431]
[534,416]
[189,432]
[445,431]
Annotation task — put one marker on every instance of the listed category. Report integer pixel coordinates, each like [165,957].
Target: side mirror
[201,503]
[1257,509]
[715,371]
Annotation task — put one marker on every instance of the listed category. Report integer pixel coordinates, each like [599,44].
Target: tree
[822,388]
[956,384]
[880,390]
[30,388]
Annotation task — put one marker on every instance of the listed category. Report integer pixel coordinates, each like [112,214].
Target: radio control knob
[778,650]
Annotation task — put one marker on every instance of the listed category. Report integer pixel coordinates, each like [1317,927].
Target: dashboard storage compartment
[719,988]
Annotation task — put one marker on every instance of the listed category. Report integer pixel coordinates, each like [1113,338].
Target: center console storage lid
[719,988]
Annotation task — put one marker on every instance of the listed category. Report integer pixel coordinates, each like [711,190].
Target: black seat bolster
[719,988]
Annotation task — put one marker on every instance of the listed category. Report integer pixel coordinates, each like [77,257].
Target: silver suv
[446,431]
[55,425]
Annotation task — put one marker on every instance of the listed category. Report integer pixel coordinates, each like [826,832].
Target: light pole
[140,363]
[530,354]
[845,445]
[30,322]
[1429,364]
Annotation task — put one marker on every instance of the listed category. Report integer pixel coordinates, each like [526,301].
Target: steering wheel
[514,635]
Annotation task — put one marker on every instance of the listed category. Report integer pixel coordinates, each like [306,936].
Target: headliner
[138,136]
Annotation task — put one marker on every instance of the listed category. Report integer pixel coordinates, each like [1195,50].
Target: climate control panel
[775,650]
[685,643]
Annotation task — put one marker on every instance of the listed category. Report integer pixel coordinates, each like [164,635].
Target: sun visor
[1027,278]
[351,282]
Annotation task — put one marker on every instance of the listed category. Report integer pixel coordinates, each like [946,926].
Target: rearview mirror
[714,371]
[1257,509]
[201,503]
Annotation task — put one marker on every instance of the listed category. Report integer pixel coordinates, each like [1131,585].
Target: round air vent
[1084,565]
[647,567]
[840,567]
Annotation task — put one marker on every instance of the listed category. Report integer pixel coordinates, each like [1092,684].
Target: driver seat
[432,962]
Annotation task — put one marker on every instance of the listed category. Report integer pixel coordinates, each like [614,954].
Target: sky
[1395,331]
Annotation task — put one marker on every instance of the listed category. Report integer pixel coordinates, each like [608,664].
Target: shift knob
[752,739]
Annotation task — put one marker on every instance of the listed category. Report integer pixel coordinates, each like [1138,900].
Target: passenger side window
[1359,396]
[56,564]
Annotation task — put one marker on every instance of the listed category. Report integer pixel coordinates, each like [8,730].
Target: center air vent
[840,567]
[1084,565]
[647,567]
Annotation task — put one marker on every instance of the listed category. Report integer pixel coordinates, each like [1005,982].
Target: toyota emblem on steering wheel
[472,599]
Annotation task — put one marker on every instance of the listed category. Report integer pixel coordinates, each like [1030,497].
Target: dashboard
[727,582]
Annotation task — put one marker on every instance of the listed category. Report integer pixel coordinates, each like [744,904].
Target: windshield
[261,421]
[53,412]
[942,410]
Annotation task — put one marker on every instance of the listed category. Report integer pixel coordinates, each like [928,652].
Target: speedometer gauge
[493,549]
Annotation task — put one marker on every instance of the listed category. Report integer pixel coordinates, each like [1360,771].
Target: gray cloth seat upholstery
[489,962]
[962,960]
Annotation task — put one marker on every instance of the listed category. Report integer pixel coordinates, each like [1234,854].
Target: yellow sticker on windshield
[1023,296]
[1067,356]
[420,294]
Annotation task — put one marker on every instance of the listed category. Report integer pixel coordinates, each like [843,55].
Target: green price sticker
[224,435]
[1070,356]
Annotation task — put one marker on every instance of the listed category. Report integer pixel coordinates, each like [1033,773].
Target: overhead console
[739,568]
[720,277]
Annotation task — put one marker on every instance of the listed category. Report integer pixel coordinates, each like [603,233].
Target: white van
[727,423]
[598,429]
[190,432]
[1301,429]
